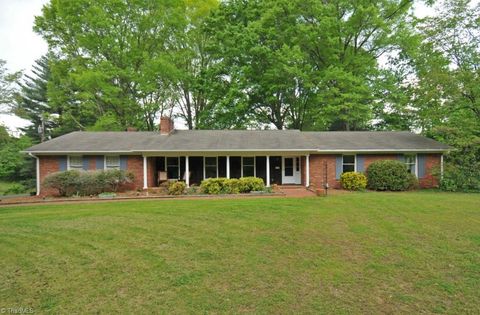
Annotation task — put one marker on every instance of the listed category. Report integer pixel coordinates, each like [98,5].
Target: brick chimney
[166,125]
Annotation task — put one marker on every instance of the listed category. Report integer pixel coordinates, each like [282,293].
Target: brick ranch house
[312,159]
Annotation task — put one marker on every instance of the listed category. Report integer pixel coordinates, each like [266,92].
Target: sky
[20,46]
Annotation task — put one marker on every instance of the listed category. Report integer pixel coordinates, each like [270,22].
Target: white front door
[291,170]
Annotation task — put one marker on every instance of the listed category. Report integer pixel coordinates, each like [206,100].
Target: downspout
[441,167]
[37,171]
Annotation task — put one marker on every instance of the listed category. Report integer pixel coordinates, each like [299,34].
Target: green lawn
[353,253]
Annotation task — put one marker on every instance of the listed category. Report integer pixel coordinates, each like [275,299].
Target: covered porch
[193,169]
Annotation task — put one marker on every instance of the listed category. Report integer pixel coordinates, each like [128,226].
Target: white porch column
[37,169]
[145,182]
[187,172]
[228,166]
[268,170]
[307,170]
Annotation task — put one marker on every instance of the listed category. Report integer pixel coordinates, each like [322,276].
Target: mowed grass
[354,253]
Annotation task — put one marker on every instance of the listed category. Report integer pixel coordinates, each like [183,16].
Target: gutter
[246,150]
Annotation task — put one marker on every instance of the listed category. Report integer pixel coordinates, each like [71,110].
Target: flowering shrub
[353,181]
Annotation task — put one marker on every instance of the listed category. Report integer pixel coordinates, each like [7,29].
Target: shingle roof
[237,140]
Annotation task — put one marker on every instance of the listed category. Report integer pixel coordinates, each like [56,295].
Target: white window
[248,166]
[411,163]
[211,167]
[112,162]
[75,162]
[173,165]
[348,163]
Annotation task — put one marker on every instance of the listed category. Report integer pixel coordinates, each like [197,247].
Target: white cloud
[19,45]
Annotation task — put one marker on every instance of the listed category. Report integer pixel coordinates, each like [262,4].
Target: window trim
[354,162]
[416,162]
[205,166]
[254,165]
[105,163]
[69,163]
[178,166]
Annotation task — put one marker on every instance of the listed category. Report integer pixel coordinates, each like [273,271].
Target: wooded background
[263,64]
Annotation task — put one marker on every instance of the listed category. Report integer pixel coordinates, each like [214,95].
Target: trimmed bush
[85,183]
[214,186]
[388,175]
[413,183]
[248,184]
[64,182]
[112,180]
[176,188]
[90,183]
[353,181]
[231,186]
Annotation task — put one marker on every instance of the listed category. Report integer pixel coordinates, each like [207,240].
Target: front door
[276,170]
[291,170]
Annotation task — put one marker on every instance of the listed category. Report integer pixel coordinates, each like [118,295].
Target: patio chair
[162,177]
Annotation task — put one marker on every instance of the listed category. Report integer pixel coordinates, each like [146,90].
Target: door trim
[296,178]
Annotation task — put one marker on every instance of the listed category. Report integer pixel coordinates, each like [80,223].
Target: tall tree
[32,100]
[114,55]
[305,64]
[442,73]
[192,61]
[7,86]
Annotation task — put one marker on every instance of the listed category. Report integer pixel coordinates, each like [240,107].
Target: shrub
[86,183]
[112,180]
[64,182]
[15,189]
[214,186]
[413,183]
[387,175]
[176,188]
[248,184]
[90,183]
[231,186]
[353,181]
[462,168]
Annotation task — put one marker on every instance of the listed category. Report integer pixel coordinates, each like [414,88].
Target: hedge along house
[282,157]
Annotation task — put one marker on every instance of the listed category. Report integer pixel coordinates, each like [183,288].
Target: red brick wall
[135,165]
[432,161]
[48,165]
[51,164]
[317,169]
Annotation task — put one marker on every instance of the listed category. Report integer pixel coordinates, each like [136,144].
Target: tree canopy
[302,64]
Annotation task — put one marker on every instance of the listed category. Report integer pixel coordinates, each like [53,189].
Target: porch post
[187,172]
[228,166]
[268,170]
[145,182]
[307,170]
